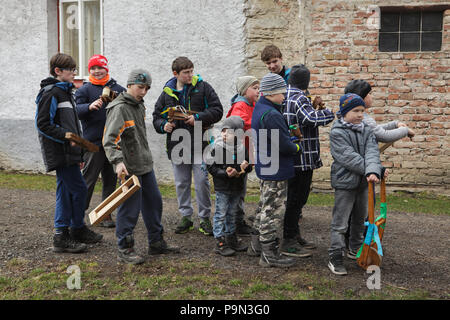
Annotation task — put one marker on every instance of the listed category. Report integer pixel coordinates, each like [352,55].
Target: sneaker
[351,254]
[85,235]
[305,244]
[128,255]
[161,247]
[336,264]
[206,227]
[63,242]
[222,248]
[184,226]
[290,247]
[243,229]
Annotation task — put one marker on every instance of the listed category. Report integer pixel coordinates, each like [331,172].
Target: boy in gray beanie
[228,163]
[126,147]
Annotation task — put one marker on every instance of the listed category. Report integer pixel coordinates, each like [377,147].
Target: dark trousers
[146,200]
[70,197]
[297,195]
[94,164]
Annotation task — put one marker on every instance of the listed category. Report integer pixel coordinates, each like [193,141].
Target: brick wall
[411,87]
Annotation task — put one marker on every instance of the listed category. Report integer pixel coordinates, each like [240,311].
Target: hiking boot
[290,247]
[222,248]
[235,243]
[270,257]
[128,255]
[107,223]
[336,264]
[254,249]
[305,244]
[161,247]
[184,226]
[352,254]
[63,242]
[243,229]
[206,227]
[85,235]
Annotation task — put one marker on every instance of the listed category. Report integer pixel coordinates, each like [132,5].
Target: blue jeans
[146,200]
[71,193]
[225,215]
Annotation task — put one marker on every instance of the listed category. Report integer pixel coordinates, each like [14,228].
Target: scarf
[98,82]
[355,127]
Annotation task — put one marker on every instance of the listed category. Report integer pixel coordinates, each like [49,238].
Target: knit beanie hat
[233,122]
[139,76]
[299,77]
[245,82]
[349,101]
[272,83]
[98,60]
[360,87]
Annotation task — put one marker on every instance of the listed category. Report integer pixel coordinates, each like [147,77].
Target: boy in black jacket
[55,116]
[191,92]
[228,163]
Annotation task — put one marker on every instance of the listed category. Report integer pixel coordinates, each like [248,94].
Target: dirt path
[415,245]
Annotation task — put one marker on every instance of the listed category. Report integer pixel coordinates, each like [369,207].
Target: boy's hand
[411,133]
[401,124]
[244,165]
[169,126]
[386,173]
[372,178]
[121,170]
[231,172]
[190,120]
[96,105]
[82,165]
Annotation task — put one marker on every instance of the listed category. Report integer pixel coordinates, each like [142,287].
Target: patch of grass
[398,201]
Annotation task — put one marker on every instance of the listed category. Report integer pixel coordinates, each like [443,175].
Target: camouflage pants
[271,208]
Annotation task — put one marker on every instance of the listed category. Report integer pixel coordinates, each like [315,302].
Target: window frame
[81,29]
[412,9]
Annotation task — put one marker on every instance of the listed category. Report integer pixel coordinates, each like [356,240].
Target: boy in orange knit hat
[92,113]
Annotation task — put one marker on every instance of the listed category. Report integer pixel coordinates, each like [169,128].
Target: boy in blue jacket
[274,166]
[55,116]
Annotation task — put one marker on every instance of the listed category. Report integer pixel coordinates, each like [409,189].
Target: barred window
[410,31]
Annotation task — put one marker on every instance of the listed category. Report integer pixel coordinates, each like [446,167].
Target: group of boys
[269,108]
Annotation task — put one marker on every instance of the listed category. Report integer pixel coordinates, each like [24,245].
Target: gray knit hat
[272,83]
[233,122]
[245,82]
[139,76]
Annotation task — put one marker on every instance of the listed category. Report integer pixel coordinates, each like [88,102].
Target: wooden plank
[104,209]
[83,143]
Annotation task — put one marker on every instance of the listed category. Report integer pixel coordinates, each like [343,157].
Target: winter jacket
[125,138]
[298,110]
[388,132]
[355,154]
[93,122]
[223,183]
[56,115]
[285,73]
[241,107]
[268,116]
[197,96]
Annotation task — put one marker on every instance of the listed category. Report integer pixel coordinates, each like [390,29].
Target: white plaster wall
[147,34]
[23,56]
[152,34]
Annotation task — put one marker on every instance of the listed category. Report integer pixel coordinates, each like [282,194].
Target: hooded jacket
[93,122]
[197,96]
[56,115]
[125,137]
[242,108]
[228,155]
[355,154]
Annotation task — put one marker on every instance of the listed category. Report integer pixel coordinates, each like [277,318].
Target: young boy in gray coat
[356,163]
